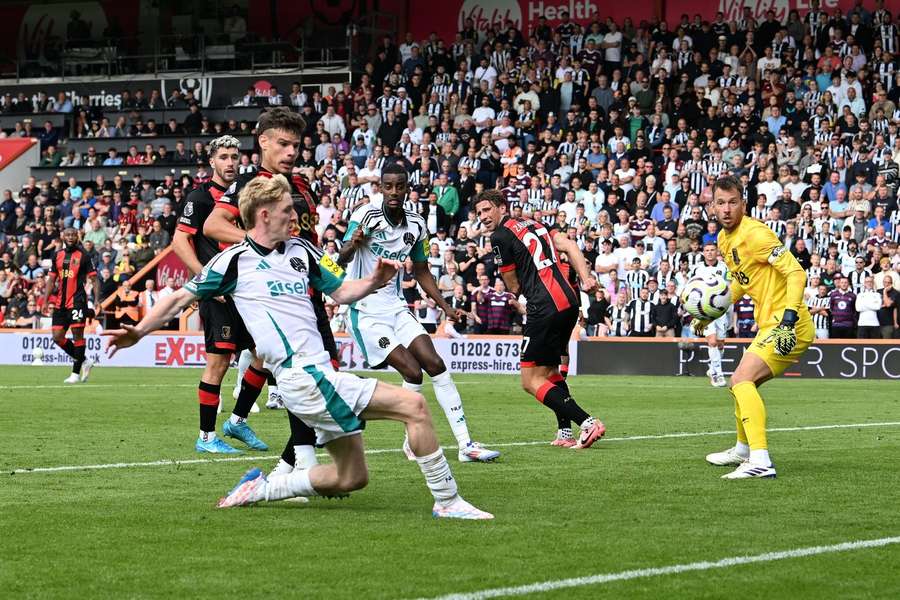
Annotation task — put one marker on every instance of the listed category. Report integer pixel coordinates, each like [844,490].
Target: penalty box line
[634,438]
[733,561]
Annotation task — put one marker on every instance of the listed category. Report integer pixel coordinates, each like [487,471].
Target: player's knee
[434,366]
[416,408]
[59,338]
[411,374]
[355,479]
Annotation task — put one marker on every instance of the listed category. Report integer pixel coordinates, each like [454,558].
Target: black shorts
[64,318]
[223,328]
[545,339]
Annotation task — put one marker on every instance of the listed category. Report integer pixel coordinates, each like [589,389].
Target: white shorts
[719,327]
[822,334]
[377,334]
[327,400]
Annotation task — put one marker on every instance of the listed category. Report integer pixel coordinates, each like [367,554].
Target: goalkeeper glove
[699,326]
[784,336]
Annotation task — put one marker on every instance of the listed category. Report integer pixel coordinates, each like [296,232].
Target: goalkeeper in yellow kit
[762,267]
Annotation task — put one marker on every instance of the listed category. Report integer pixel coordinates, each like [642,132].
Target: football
[706,297]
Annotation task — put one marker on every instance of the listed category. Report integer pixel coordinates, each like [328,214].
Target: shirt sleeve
[229,200]
[503,255]
[191,218]
[217,278]
[418,254]
[324,274]
[768,248]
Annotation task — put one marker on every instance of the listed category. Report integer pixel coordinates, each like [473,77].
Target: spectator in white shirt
[867,304]
[333,123]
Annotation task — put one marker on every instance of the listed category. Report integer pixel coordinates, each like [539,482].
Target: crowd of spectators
[612,132]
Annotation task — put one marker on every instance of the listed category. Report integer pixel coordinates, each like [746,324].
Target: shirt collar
[262,250]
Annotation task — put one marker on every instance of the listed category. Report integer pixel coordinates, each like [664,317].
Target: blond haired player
[762,268]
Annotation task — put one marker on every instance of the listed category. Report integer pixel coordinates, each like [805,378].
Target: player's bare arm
[356,241]
[568,247]
[184,249]
[511,280]
[429,286]
[356,289]
[220,226]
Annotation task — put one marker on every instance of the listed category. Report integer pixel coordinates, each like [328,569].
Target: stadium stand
[612,132]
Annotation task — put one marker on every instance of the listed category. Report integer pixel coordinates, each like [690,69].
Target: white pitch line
[633,438]
[723,563]
[91,386]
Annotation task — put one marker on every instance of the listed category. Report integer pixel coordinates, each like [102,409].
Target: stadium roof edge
[306,73]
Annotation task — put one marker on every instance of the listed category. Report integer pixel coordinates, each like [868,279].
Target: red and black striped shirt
[304,202]
[72,268]
[526,246]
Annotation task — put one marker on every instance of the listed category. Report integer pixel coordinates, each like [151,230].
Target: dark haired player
[223,328]
[381,323]
[279,131]
[526,254]
[72,269]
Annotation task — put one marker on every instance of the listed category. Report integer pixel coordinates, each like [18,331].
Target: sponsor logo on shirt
[287,288]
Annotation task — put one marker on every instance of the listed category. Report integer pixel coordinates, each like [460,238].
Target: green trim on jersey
[353,226]
[354,331]
[209,284]
[289,359]
[334,404]
[417,254]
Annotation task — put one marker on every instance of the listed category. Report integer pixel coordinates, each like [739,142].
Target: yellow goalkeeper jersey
[763,268]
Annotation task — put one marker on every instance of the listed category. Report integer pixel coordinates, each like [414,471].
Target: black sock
[78,358]
[563,421]
[68,347]
[553,397]
[301,435]
[575,412]
[208,395]
[270,379]
[251,384]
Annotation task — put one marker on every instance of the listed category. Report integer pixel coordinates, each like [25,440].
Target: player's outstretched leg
[349,472]
[447,395]
[236,426]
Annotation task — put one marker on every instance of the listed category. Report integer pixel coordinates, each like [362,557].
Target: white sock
[236,420]
[448,397]
[715,359]
[416,387]
[290,485]
[564,434]
[282,468]
[273,389]
[742,449]
[305,457]
[244,361]
[438,477]
[760,457]
[207,436]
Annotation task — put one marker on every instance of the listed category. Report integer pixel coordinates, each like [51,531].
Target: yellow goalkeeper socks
[741,446]
[752,417]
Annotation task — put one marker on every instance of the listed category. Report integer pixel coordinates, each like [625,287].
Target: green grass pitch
[154,531]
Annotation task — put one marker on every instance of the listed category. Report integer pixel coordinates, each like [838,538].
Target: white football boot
[72,378]
[726,458]
[748,470]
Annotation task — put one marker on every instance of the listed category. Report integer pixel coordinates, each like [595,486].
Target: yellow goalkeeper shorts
[764,347]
